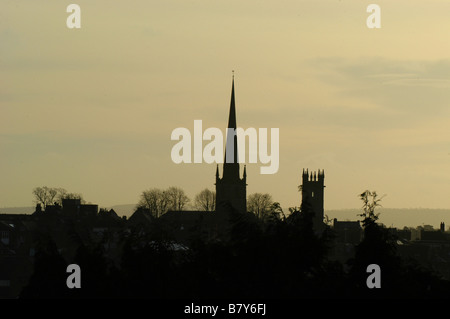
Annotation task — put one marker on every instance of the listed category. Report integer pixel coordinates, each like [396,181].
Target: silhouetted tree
[259,204]
[155,200]
[370,202]
[177,198]
[63,194]
[46,195]
[275,211]
[160,201]
[205,200]
[50,195]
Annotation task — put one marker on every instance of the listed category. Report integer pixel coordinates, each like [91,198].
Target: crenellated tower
[312,189]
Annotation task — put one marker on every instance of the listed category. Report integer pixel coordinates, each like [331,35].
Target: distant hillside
[124,210]
[17,210]
[121,210]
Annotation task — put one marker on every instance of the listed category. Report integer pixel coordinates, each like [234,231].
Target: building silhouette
[312,190]
[231,190]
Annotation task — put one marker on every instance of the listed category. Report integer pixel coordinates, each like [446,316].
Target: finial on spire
[232,71]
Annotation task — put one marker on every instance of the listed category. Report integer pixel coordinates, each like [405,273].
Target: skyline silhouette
[231,188]
[369,106]
[234,171]
[236,247]
[347,198]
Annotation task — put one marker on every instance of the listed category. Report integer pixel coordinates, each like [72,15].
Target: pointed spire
[231,169]
[232,115]
[217,171]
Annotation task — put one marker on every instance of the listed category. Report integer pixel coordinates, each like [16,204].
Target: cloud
[401,93]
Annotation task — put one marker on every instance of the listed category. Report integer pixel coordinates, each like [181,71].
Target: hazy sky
[92,109]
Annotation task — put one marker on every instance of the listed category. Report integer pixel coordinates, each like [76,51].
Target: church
[231,196]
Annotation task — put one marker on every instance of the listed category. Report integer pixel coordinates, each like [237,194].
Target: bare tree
[177,198]
[155,200]
[63,194]
[159,201]
[53,195]
[205,200]
[47,195]
[259,204]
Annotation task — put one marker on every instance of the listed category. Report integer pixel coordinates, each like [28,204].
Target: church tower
[231,190]
[312,196]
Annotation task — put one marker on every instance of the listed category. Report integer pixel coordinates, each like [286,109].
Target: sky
[92,109]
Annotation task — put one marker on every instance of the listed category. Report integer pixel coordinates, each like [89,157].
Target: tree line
[159,201]
[274,257]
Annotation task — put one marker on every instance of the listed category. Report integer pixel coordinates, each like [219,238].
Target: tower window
[312,194]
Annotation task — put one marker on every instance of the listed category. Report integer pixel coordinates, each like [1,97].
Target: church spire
[232,115]
[231,168]
[231,190]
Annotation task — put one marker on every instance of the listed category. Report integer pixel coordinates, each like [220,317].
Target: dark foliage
[275,258]
[49,277]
